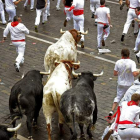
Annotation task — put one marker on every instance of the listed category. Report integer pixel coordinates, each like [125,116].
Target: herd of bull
[73,104]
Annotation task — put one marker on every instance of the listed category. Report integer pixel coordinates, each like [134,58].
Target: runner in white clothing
[78,17]
[10,8]
[129,119]
[31,3]
[17,31]
[130,17]
[137,42]
[69,14]
[104,23]
[94,4]
[125,69]
[41,8]
[2,13]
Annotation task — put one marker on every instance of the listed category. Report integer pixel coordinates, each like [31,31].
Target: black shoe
[36,30]
[103,43]
[16,67]
[82,44]
[110,115]
[136,34]
[137,59]
[121,7]
[65,23]
[133,23]
[32,9]
[122,38]
[92,15]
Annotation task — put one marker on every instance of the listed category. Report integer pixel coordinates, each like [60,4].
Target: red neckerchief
[15,23]
[102,6]
[130,103]
[125,58]
[139,13]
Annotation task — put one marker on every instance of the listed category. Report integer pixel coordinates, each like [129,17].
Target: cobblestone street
[36,46]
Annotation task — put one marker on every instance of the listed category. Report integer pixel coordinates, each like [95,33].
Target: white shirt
[135,88]
[101,14]
[17,33]
[78,4]
[9,4]
[125,67]
[129,113]
[134,3]
[1,6]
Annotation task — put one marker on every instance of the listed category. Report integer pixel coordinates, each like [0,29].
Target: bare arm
[16,2]
[64,2]
[109,20]
[46,3]
[136,73]
[127,3]
[115,73]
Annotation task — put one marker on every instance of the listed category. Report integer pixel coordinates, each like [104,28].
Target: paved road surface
[37,44]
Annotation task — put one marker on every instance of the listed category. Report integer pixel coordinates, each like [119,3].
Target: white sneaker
[48,14]
[135,50]
[22,62]
[57,8]
[11,44]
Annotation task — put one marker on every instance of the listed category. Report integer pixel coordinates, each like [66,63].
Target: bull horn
[75,74]
[83,33]
[74,63]
[14,129]
[62,32]
[97,75]
[45,73]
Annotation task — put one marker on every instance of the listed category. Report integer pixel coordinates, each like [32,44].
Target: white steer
[58,82]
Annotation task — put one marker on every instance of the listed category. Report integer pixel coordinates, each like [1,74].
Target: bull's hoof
[73,137]
[15,135]
[30,138]
[82,137]
[91,138]
[62,132]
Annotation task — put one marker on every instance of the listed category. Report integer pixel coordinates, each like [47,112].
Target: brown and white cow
[64,49]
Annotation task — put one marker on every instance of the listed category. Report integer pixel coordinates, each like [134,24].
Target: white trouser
[48,7]
[32,3]
[138,54]
[94,4]
[137,42]
[69,14]
[100,33]
[129,133]
[38,14]
[79,24]
[121,90]
[130,16]
[11,13]
[3,17]
[20,48]
[58,3]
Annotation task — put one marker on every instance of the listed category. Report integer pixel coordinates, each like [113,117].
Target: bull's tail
[56,102]
[74,136]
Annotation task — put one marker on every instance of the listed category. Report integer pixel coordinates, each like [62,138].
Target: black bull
[26,98]
[79,104]
[4,134]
